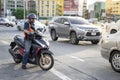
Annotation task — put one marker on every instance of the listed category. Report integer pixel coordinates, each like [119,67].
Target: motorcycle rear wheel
[18,58]
[46,61]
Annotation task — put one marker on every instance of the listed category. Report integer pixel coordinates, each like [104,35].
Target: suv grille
[89,34]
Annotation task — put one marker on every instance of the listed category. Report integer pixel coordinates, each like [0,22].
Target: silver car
[74,28]
[110,50]
[6,22]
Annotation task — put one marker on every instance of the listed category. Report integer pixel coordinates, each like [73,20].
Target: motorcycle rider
[28,30]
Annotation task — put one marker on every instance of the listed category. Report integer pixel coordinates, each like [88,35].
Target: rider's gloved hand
[31,33]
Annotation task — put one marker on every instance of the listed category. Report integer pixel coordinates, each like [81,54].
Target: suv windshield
[78,21]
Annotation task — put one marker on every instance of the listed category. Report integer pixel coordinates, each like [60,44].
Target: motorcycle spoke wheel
[46,62]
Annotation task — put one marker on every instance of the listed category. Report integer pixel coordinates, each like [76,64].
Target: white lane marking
[77,58]
[59,74]
[33,76]
[4,42]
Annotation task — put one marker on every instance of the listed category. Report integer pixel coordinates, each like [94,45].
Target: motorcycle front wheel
[46,61]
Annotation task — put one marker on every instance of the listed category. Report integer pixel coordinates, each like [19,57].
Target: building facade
[112,7]
[31,4]
[59,7]
[9,5]
[71,7]
[47,8]
[50,8]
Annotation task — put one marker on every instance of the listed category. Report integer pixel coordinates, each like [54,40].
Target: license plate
[93,33]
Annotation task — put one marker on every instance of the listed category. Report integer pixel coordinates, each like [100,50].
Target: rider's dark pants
[27,49]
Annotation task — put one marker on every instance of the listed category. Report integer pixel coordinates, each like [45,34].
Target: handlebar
[36,35]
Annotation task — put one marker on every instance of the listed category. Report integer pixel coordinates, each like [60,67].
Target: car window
[2,20]
[59,20]
[78,21]
[64,20]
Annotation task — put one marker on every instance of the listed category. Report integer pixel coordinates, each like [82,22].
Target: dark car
[75,28]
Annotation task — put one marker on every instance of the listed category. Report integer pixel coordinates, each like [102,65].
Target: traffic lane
[4,52]
[9,33]
[7,66]
[62,47]
[8,61]
[78,54]
[97,68]
[58,72]
[84,57]
[12,71]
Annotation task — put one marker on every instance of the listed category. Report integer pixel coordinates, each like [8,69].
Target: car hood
[86,26]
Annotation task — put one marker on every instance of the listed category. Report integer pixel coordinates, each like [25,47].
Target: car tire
[113,31]
[73,38]
[54,35]
[12,26]
[7,25]
[95,42]
[115,61]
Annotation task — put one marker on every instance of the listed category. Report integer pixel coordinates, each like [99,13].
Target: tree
[18,13]
[97,15]
[32,11]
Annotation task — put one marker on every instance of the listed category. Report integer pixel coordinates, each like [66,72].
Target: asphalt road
[72,62]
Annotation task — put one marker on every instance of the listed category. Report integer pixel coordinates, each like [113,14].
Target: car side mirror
[66,23]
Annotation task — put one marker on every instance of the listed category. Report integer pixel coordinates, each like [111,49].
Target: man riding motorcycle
[29,29]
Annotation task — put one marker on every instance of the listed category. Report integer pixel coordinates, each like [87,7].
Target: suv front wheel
[73,38]
[53,35]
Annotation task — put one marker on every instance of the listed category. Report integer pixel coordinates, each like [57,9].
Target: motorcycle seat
[20,40]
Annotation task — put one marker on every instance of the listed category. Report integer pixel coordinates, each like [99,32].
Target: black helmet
[31,15]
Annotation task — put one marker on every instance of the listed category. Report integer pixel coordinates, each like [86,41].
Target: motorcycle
[39,52]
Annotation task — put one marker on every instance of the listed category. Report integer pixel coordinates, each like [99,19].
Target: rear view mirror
[66,23]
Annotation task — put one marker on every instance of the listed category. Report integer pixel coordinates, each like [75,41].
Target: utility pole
[24,3]
[0,8]
[4,8]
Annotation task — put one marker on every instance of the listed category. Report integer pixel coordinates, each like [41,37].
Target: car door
[65,28]
[58,26]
